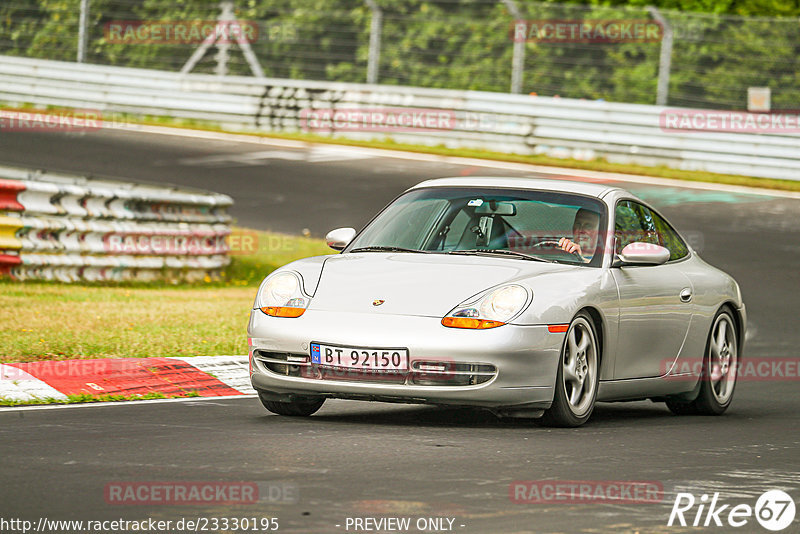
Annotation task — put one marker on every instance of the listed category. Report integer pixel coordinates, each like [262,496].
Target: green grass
[54,321]
[85,397]
[48,321]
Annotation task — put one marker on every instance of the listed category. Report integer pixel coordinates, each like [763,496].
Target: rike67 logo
[774,510]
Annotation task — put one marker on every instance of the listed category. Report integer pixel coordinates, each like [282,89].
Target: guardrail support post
[665,59]
[83,31]
[374,41]
[518,59]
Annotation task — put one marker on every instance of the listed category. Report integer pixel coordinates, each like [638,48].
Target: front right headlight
[491,310]
[282,295]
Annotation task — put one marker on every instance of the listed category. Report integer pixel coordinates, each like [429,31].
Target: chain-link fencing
[622,54]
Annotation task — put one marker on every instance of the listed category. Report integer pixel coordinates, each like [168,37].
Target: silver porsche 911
[532,298]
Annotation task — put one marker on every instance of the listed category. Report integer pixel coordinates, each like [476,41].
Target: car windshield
[516,223]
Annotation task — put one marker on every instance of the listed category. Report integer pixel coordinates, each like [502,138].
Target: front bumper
[524,359]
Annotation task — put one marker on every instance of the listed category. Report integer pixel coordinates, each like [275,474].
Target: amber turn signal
[466,322]
[282,311]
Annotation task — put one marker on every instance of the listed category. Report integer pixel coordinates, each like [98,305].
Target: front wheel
[577,376]
[299,408]
[720,366]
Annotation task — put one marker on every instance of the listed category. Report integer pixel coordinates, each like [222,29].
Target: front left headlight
[491,310]
[282,295]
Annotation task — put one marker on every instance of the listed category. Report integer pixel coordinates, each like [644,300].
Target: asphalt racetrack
[365,460]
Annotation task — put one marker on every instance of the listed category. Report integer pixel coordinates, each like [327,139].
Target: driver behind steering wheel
[584,235]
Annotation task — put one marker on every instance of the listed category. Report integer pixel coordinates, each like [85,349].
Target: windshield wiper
[387,249]
[503,252]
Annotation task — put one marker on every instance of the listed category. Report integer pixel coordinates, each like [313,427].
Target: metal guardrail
[71,228]
[523,124]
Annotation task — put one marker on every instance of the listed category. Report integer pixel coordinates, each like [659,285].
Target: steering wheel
[556,244]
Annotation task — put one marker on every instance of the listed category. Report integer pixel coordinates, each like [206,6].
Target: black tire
[715,396]
[296,408]
[565,412]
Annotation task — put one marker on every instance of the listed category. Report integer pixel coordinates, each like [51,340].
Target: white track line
[5,409]
[416,156]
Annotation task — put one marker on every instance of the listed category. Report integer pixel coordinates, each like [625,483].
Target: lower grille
[282,363]
[435,373]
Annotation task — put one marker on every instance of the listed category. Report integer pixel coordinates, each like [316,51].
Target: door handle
[686,295]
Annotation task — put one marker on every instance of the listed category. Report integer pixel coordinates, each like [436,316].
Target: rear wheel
[301,407]
[720,366]
[577,376]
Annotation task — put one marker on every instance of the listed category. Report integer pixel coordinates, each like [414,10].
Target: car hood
[413,284]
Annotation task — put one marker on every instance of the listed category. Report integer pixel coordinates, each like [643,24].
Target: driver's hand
[569,246]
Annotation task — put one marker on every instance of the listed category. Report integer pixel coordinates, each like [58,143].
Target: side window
[670,239]
[628,226]
[636,223]
[646,218]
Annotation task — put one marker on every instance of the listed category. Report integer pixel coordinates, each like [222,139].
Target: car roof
[598,190]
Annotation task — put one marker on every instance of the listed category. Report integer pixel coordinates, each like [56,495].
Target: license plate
[359,357]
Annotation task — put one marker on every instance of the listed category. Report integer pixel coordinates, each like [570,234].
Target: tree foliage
[458,44]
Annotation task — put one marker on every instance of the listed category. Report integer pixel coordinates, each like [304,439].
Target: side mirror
[340,238]
[640,253]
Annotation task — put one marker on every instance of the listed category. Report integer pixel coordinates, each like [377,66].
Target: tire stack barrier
[73,228]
